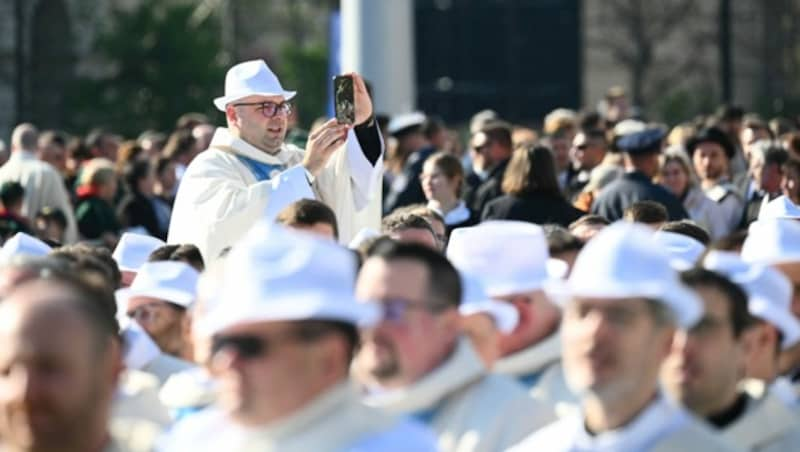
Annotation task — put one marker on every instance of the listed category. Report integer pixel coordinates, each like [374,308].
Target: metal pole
[725,60]
[19,60]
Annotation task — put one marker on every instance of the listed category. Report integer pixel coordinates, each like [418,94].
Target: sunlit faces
[706,362]
[612,348]
[436,184]
[710,161]
[165,322]
[674,177]
[251,125]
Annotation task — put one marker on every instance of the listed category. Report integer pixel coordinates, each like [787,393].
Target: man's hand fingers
[327,125]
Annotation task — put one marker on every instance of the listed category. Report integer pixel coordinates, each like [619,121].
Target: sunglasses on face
[251,346]
[268,109]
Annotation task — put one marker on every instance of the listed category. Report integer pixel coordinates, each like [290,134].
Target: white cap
[362,236]
[274,274]
[769,292]
[404,121]
[780,207]
[683,250]
[22,244]
[251,78]
[509,257]
[171,281]
[772,241]
[133,250]
[475,300]
[628,126]
[621,262]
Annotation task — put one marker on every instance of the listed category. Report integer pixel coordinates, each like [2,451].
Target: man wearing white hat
[704,369]
[405,188]
[774,328]
[491,252]
[416,361]
[249,171]
[132,252]
[280,345]
[622,303]
[485,320]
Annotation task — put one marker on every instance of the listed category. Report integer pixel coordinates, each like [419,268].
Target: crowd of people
[599,283]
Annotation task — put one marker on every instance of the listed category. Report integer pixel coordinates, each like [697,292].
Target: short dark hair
[11,193]
[308,212]
[730,112]
[589,220]
[133,172]
[776,156]
[688,228]
[179,143]
[401,221]
[648,212]
[87,260]
[731,242]
[498,132]
[444,282]
[560,240]
[186,252]
[735,295]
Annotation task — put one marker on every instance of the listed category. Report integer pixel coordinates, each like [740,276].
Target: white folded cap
[251,78]
[22,244]
[133,250]
[509,257]
[769,292]
[683,250]
[274,274]
[772,241]
[475,300]
[780,207]
[171,281]
[621,262]
[404,121]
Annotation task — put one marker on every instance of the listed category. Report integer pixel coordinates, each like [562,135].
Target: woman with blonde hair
[677,176]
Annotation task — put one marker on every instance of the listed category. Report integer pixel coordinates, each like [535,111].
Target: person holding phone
[250,171]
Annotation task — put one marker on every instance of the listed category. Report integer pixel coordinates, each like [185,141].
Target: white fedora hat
[772,241]
[274,274]
[171,281]
[621,262]
[133,250]
[251,78]
[683,250]
[769,292]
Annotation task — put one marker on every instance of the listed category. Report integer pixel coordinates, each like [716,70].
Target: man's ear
[230,114]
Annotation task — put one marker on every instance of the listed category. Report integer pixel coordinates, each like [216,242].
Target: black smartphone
[343,99]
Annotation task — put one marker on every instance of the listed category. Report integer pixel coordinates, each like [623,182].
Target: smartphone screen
[343,99]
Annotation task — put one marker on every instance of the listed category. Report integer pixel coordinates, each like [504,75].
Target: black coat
[538,208]
[489,189]
[406,189]
[633,187]
[138,210]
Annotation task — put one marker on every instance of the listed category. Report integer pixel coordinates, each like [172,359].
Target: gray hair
[25,136]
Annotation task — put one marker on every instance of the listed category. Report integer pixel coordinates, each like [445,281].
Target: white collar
[461,368]
[531,360]
[225,141]
[459,214]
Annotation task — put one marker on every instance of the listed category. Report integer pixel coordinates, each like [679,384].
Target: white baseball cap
[132,250]
[475,300]
[683,250]
[772,241]
[22,244]
[780,207]
[404,121]
[509,257]
[274,274]
[769,292]
[171,281]
[621,262]
[251,78]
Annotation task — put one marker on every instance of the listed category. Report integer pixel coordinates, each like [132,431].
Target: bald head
[24,137]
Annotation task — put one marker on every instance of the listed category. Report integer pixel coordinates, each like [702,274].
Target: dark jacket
[489,189]
[538,208]
[633,187]
[406,189]
[137,210]
[95,217]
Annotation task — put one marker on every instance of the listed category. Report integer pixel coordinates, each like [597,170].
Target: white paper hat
[509,257]
[475,300]
[250,78]
[274,274]
[772,241]
[22,244]
[404,121]
[133,250]
[780,207]
[171,281]
[621,262]
[769,292]
[683,250]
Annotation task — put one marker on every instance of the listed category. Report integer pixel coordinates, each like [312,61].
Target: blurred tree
[153,63]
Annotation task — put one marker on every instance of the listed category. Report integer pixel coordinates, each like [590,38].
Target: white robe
[44,187]
[334,421]
[470,410]
[766,425]
[219,198]
[661,427]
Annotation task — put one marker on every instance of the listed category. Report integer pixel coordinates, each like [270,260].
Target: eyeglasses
[251,346]
[268,109]
[396,310]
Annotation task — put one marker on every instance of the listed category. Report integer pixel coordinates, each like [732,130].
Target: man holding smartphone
[249,170]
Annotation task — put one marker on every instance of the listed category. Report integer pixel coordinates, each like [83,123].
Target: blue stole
[529,380]
[425,416]
[260,170]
